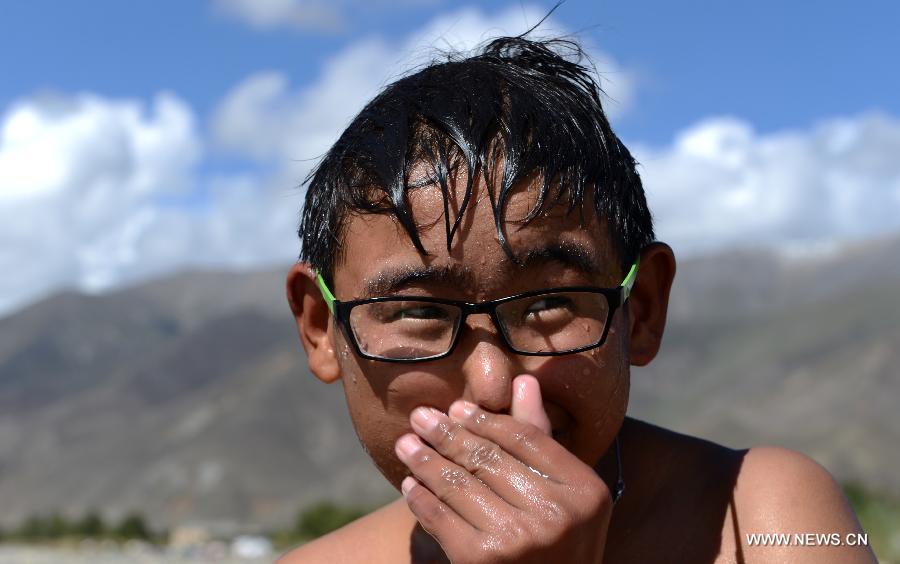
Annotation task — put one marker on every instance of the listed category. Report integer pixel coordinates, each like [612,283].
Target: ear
[313,322]
[649,302]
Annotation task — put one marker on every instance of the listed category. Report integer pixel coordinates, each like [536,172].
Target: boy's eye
[420,312]
[548,303]
[393,312]
[367,317]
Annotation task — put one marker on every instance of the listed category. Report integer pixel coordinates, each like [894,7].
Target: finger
[439,520]
[524,441]
[527,404]
[505,476]
[471,499]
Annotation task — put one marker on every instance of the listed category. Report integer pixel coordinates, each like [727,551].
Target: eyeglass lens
[410,329]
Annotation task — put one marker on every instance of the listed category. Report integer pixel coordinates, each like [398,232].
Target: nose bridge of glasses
[483,307]
[483,312]
[480,324]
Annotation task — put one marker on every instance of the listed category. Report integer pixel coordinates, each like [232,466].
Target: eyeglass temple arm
[628,283]
[326,293]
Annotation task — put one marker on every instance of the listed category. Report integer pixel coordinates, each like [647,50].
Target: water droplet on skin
[586,372]
[455,478]
[485,457]
[539,473]
[448,430]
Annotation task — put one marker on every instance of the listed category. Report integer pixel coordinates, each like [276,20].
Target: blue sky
[777,64]
[158,135]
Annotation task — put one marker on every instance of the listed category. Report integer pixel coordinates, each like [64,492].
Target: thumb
[527,405]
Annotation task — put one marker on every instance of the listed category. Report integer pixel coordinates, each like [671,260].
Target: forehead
[374,244]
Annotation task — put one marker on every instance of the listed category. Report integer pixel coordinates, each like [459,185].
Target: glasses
[549,322]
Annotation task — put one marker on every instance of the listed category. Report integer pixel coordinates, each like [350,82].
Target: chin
[390,467]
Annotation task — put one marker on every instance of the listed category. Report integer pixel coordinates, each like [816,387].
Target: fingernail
[407,484]
[407,447]
[462,409]
[423,419]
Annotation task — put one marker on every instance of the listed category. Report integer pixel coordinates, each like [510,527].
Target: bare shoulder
[782,492]
[780,486]
[383,536]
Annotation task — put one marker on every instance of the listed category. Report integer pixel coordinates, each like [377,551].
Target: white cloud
[97,192]
[329,16]
[79,177]
[105,146]
[721,184]
[317,15]
[262,118]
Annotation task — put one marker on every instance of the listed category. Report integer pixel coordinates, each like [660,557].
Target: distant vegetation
[56,527]
[312,522]
[317,520]
[879,516]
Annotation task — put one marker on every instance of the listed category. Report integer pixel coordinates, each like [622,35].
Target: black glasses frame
[615,297]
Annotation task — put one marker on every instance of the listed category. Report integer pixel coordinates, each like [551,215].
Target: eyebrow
[460,276]
[391,280]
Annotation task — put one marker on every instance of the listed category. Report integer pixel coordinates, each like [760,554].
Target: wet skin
[478,486]
[503,457]
[585,394]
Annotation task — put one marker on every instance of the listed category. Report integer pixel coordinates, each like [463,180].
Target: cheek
[377,428]
[592,387]
[611,401]
[584,384]
[380,398]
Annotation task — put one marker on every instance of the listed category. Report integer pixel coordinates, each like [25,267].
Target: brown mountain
[803,353]
[188,398]
[185,398]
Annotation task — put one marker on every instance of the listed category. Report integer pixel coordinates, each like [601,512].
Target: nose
[489,367]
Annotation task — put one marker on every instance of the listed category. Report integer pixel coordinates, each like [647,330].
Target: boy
[479,271]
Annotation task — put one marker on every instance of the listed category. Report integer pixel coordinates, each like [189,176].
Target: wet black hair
[518,107]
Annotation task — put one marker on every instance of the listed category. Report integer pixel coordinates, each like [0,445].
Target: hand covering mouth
[560,420]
